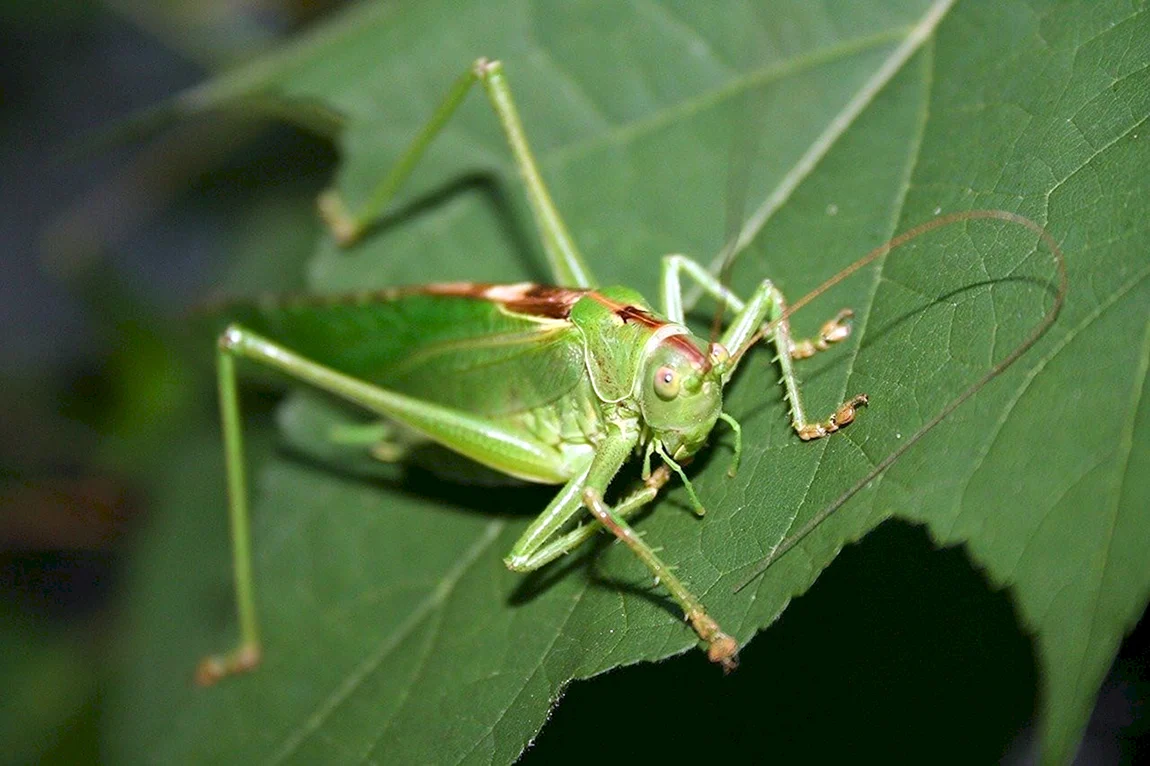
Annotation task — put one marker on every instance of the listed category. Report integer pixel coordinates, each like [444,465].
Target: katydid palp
[558,384]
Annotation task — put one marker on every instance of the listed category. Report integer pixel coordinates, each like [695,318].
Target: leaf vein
[405,692]
[1093,156]
[368,666]
[682,109]
[538,668]
[1122,474]
[995,432]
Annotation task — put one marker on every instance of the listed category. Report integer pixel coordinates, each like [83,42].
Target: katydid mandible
[550,384]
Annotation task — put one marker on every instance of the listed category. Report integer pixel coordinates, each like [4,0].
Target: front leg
[537,547]
[721,648]
[765,311]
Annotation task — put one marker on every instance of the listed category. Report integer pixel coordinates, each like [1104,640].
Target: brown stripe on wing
[628,312]
[636,314]
[526,298]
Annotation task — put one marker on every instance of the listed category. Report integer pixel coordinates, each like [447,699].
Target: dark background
[106,247]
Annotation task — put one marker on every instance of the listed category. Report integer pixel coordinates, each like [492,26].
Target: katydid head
[681,393]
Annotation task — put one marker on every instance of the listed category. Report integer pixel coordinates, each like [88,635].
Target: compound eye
[666,383]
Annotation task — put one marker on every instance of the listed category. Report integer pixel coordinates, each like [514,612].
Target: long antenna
[1038,331]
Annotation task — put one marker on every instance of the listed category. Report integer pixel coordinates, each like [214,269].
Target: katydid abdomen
[520,365]
[456,349]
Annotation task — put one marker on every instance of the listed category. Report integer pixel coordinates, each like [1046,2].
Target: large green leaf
[393,631]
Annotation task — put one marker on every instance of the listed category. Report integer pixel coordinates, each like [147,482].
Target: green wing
[456,350]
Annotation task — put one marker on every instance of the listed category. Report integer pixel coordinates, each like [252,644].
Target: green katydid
[550,384]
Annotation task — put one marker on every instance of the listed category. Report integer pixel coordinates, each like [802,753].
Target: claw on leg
[833,331]
[219,666]
[843,416]
[721,648]
[342,223]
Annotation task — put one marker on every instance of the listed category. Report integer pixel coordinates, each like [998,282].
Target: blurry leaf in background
[49,678]
[91,367]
